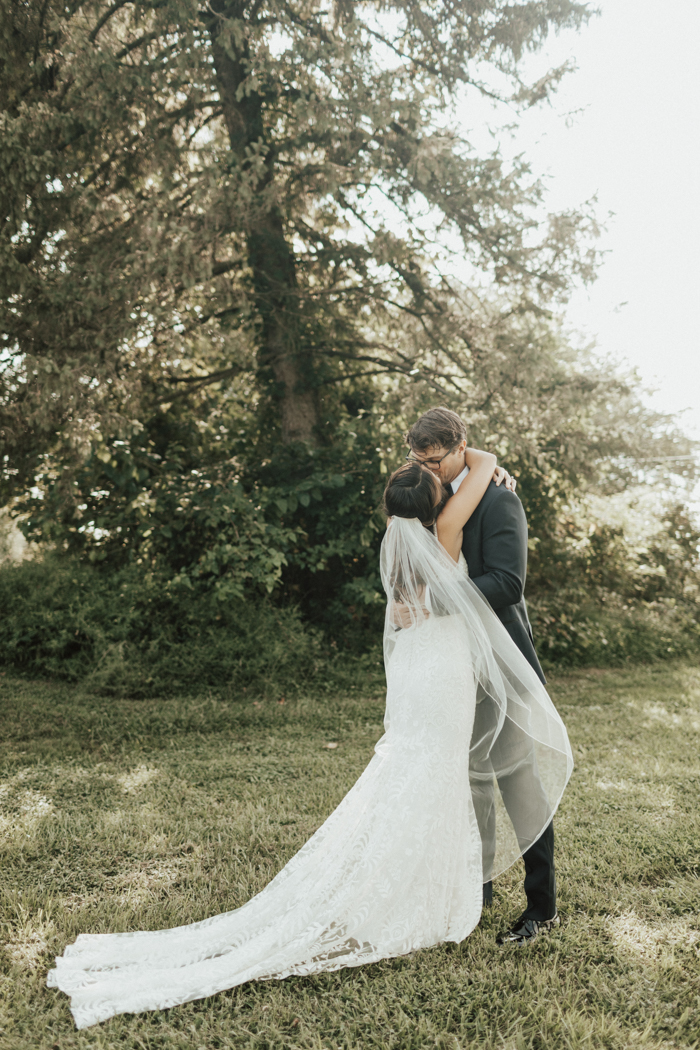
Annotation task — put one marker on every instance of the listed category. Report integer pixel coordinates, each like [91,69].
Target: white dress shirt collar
[456,482]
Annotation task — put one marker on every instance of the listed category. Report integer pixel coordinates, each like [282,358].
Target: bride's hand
[500,475]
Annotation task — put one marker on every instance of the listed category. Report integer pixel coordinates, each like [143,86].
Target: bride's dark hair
[412,491]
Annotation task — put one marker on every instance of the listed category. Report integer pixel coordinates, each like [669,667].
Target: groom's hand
[406,615]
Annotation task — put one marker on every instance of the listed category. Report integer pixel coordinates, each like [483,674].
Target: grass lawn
[119,815]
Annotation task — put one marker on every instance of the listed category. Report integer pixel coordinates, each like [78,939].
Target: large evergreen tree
[253,190]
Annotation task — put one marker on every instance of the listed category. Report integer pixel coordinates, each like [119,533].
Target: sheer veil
[517,730]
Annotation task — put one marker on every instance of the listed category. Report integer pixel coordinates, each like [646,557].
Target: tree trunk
[269,254]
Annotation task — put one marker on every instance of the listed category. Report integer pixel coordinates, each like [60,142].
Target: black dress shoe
[527,930]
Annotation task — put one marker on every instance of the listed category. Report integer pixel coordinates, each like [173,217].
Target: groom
[495,549]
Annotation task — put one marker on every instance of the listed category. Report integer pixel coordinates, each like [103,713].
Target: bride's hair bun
[413,491]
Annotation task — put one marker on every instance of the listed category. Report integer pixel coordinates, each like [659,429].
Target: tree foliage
[253,191]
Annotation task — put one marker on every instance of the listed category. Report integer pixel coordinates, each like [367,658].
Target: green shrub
[597,596]
[128,634]
[187,608]
[572,630]
[303,525]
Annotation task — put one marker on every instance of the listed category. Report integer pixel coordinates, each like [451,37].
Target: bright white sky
[635,144]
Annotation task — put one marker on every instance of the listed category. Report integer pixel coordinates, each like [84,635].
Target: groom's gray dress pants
[527,807]
[494,545]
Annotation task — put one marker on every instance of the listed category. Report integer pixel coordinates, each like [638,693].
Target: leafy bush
[571,633]
[303,525]
[132,634]
[598,598]
[178,556]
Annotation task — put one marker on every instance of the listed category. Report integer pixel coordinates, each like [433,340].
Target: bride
[398,865]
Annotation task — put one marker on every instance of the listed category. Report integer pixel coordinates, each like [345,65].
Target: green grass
[120,815]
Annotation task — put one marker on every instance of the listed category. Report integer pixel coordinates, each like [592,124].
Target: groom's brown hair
[437,428]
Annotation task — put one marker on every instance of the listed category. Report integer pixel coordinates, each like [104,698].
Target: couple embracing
[465,780]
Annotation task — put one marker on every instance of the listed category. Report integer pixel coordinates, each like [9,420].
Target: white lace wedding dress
[395,868]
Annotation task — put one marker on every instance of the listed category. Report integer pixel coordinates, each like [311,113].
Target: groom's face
[445,463]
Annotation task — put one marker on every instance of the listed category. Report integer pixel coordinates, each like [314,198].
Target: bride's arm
[459,509]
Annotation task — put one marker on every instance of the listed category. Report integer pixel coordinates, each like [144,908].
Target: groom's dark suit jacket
[494,545]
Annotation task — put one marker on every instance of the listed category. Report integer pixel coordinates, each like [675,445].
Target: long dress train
[396,867]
